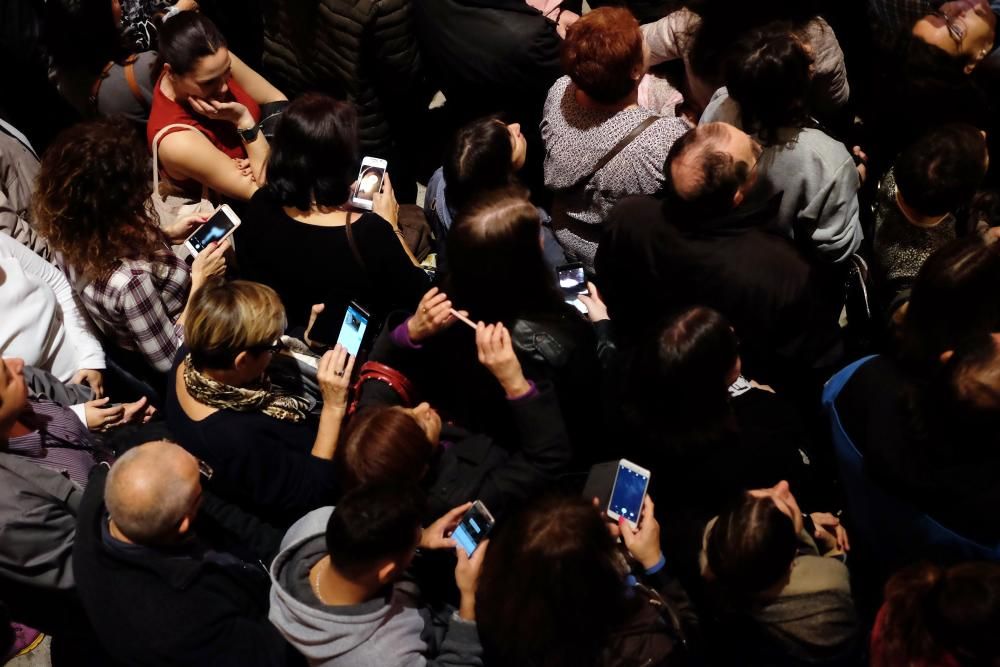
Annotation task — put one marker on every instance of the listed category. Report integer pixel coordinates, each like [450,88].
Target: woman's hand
[209,263]
[432,317]
[231,112]
[497,353]
[334,376]
[643,542]
[100,417]
[829,533]
[91,377]
[138,412]
[596,310]
[182,228]
[384,203]
[467,578]
[438,534]
[861,160]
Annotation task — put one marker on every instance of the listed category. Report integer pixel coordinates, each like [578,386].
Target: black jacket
[183,607]
[360,50]
[779,304]
[489,56]
[474,465]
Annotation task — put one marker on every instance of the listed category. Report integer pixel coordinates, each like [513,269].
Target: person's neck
[118,534]
[317,214]
[630,101]
[335,589]
[916,218]
[167,88]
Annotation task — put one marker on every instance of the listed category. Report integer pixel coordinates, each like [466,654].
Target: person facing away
[340,591]
[706,242]
[768,79]
[161,583]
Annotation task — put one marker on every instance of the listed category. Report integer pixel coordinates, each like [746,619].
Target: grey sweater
[816,173]
[395,630]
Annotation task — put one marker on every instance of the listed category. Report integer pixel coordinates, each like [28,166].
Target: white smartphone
[628,492]
[352,331]
[475,525]
[216,229]
[369,182]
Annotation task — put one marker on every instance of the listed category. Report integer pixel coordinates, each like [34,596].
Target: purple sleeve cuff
[531,393]
[400,336]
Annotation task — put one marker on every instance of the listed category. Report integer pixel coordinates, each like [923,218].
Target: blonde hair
[227,318]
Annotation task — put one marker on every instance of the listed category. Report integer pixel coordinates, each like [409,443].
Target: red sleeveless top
[221,133]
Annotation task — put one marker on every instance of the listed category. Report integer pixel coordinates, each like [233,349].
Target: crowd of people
[371,420]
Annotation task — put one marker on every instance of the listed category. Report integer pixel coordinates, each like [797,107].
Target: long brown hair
[92,197]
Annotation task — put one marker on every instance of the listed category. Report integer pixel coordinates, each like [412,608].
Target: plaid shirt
[137,306]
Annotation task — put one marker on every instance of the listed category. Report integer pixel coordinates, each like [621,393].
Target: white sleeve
[665,37]
[79,331]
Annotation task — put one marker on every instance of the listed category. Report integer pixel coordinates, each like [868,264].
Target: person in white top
[43,323]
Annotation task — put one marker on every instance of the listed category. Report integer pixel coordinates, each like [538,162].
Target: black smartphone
[475,525]
[572,280]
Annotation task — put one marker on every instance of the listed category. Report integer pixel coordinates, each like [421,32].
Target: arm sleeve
[79,331]
[544,450]
[833,214]
[461,647]
[664,37]
[157,336]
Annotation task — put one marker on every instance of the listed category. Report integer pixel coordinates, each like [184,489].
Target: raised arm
[260,89]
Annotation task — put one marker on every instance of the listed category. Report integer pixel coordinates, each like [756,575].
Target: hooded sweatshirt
[390,630]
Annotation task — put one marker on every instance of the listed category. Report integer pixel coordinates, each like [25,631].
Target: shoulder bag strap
[618,148]
[355,250]
[95,89]
[156,156]
[133,84]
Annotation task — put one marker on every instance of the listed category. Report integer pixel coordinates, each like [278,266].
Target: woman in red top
[204,85]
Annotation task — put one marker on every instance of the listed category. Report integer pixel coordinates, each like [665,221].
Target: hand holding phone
[216,229]
[643,542]
[472,529]
[573,283]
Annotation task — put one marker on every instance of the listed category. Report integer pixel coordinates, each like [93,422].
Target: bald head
[709,169]
[150,491]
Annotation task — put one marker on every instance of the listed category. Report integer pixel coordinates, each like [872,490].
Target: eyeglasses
[956,26]
[273,347]
[205,470]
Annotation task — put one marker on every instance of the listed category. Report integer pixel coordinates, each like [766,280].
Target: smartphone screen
[369,182]
[214,230]
[627,495]
[473,528]
[352,331]
[572,281]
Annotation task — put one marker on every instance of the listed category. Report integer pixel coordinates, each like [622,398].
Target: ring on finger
[339,373]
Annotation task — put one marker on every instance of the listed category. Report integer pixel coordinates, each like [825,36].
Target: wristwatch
[249,134]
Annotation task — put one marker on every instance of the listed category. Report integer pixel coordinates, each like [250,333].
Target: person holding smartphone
[302,236]
[344,593]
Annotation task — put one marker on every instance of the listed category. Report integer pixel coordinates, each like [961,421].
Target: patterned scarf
[261,397]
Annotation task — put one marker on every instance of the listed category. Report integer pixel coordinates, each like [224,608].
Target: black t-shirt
[309,264]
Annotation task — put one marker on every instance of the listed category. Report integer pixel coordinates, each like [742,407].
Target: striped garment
[59,441]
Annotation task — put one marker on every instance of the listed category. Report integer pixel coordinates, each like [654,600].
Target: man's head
[153,493]
[942,171]
[710,170]
[963,29]
[374,531]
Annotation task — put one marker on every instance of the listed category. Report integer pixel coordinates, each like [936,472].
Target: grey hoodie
[394,630]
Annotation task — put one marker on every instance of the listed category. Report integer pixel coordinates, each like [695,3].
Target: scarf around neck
[261,397]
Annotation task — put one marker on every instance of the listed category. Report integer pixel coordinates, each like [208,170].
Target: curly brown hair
[92,197]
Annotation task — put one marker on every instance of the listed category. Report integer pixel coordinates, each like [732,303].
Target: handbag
[172,205]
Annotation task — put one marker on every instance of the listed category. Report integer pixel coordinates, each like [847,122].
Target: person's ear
[738,198]
[969,66]
[387,573]
[185,525]
[168,70]
[946,356]
[241,360]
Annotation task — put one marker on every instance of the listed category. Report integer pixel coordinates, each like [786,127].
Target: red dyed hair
[382,445]
[601,52]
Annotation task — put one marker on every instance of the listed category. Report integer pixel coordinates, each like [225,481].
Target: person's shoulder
[636,210]
[557,90]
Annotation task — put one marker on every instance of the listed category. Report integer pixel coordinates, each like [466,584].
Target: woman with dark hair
[587,115]
[485,155]
[206,87]
[702,34]
[340,253]
[768,79]
[688,413]
[784,573]
[936,617]
[393,440]
[556,591]
[92,204]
